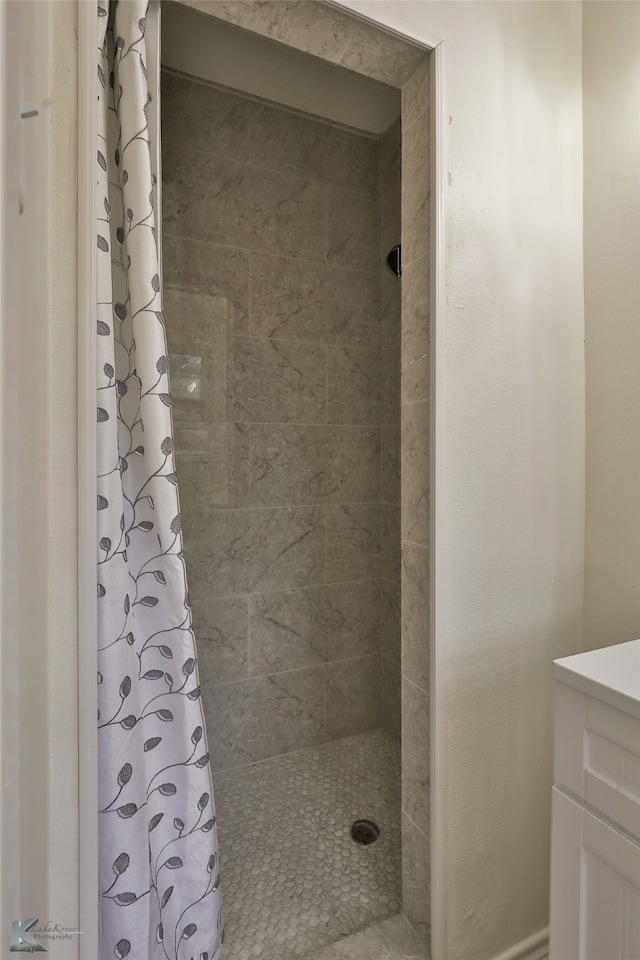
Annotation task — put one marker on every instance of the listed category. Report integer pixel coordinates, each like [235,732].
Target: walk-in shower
[298,363]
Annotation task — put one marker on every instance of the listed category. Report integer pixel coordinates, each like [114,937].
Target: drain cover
[365,832]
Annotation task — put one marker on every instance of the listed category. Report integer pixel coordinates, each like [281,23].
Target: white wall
[38,638]
[512,506]
[612,315]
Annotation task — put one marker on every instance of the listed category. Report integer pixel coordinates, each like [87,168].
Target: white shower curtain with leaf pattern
[159,881]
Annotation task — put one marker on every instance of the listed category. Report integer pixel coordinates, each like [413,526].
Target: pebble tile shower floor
[293,879]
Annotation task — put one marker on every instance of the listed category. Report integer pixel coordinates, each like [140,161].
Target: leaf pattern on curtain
[159,880]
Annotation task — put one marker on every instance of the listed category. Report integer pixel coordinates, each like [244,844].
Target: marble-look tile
[196,326]
[227,124]
[353,616]
[201,317]
[302,628]
[265,716]
[209,402]
[186,387]
[416,480]
[380,55]
[249,550]
[355,320]
[353,542]
[352,231]
[324,32]
[289,298]
[416,373]
[303,24]
[353,385]
[352,696]
[354,464]
[194,438]
[239,205]
[390,307]
[416,879]
[390,383]
[393,939]
[314,463]
[416,190]
[390,697]
[416,93]
[390,465]
[221,629]
[416,621]
[288,630]
[289,463]
[344,160]
[389,147]
[390,601]
[390,228]
[213,476]
[390,542]
[416,755]
[198,340]
[306,300]
[390,235]
[208,268]
[390,197]
[277,381]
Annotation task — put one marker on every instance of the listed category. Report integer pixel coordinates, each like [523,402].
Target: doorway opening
[301,400]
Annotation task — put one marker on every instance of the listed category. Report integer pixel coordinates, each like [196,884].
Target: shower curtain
[159,881]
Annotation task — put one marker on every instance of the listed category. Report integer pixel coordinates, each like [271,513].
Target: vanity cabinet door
[611,892]
[595,887]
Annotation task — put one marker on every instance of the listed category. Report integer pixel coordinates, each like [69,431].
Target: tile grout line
[302,669]
[415,686]
[268,593]
[264,101]
[168,235]
[412,821]
[299,750]
[278,171]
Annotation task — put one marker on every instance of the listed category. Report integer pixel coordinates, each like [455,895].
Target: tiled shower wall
[271,259]
[390,306]
[415,445]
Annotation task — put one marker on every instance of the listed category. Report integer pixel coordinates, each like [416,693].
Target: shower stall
[295,157]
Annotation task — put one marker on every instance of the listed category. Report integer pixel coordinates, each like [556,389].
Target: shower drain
[365,832]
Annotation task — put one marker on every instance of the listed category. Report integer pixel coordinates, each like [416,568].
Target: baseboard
[535,947]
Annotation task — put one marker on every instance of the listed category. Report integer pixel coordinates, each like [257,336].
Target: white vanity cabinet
[595,812]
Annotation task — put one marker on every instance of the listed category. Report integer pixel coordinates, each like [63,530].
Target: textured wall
[271,271]
[415,389]
[611,77]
